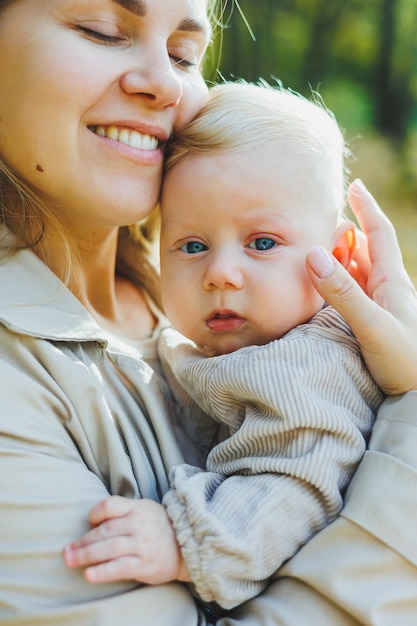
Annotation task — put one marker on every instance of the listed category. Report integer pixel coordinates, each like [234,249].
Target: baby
[251,185]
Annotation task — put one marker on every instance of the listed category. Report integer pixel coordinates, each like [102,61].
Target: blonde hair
[241,116]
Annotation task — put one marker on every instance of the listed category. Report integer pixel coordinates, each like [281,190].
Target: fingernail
[321,262]
[68,554]
[360,184]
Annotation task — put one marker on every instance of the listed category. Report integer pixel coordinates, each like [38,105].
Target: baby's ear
[345,243]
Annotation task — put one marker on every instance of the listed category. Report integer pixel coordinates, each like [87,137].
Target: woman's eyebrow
[140,8]
[197,26]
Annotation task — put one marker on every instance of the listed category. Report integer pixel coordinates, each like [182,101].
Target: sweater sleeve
[361,570]
[299,411]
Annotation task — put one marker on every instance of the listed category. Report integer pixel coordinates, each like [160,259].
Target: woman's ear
[345,246]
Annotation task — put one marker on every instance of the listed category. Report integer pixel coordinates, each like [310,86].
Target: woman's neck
[111,299]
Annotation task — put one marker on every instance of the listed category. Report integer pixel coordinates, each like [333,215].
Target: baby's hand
[129,540]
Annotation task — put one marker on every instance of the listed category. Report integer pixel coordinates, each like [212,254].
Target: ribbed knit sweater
[298,411]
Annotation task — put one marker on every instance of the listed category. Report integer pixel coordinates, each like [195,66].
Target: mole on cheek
[39,168]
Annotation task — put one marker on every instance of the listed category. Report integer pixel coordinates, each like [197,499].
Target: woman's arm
[54,431]
[361,570]
[383,314]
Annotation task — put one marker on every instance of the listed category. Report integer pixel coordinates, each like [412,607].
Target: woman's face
[90,92]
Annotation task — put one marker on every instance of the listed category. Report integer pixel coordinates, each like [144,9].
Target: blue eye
[193,247]
[262,243]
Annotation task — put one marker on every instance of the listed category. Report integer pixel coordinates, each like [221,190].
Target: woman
[90,92]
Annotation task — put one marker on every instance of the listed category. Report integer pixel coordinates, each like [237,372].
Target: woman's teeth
[129,137]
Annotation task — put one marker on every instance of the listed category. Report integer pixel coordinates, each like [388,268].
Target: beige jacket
[71,433]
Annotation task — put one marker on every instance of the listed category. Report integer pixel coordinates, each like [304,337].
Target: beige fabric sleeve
[360,570]
[61,452]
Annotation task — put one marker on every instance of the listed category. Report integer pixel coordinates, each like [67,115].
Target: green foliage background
[361,56]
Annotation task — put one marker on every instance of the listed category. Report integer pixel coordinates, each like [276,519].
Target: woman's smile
[146,147]
[127,136]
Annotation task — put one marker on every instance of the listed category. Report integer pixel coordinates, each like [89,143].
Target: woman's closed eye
[186,62]
[105,35]
[186,56]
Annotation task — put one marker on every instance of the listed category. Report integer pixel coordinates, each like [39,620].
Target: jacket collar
[33,301]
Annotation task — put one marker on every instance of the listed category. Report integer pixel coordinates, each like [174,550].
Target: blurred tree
[394,74]
[325,21]
[358,53]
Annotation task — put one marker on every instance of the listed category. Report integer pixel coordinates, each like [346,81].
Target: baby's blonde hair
[241,116]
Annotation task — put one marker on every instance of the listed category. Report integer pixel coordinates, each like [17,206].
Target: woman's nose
[156,79]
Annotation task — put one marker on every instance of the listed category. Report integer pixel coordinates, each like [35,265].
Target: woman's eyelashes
[185,63]
[185,53]
[102,36]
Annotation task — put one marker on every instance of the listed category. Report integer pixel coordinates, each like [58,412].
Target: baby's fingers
[109,508]
[108,540]
[128,567]
[83,554]
[122,568]
[120,558]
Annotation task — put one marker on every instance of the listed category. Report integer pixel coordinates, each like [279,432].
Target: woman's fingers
[378,230]
[381,304]
[388,343]
[378,258]
[338,288]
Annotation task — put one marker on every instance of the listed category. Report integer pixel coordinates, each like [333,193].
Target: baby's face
[235,233]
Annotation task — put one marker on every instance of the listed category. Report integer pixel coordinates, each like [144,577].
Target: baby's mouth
[127,136]
[222,321]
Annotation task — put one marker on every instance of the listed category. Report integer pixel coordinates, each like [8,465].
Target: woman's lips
[129,137]
[133,144]
[225,321]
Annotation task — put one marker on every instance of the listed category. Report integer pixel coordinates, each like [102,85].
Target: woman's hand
[129,540]
[377,298]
